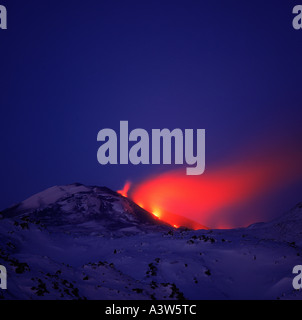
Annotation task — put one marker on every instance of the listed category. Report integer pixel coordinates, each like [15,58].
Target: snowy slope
[79,242]
[78,208]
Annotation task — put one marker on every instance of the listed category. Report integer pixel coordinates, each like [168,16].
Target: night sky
[71,68]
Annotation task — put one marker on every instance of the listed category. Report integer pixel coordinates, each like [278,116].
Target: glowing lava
[176,220]
[124,191]
[211,199]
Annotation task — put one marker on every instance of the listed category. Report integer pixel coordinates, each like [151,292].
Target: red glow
[196,201]
[124,191]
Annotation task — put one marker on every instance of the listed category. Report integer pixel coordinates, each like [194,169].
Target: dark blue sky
[71,68]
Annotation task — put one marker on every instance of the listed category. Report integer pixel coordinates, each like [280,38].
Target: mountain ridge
[79,242]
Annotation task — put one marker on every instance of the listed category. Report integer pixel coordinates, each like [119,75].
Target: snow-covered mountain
[81,209]
[79,242]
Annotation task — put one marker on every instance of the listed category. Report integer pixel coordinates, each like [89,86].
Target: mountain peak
[91,207]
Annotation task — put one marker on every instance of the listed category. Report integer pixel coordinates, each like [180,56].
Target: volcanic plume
[124,191]
[216,198]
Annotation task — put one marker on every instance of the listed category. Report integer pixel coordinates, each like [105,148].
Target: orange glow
[124,191]
[156,214]
[208,199]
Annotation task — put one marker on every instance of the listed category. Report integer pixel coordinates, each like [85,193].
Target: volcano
[83,209]
[89,242]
